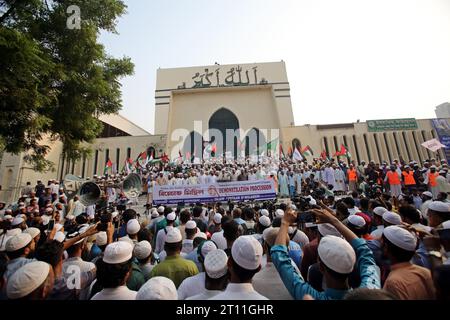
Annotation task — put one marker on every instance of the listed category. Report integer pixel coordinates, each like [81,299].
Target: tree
[55,81]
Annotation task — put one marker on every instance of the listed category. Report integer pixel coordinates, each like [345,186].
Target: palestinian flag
[307,151]
[142,159]
[343,152]
[324,156]
[297,156]
[271,146]
[127,167]
[282,155]
[213,150]
[108,166]
[165,158]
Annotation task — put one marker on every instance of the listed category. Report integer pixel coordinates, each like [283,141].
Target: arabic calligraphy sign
[235,76]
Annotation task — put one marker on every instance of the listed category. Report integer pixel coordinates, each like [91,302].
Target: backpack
[248,231]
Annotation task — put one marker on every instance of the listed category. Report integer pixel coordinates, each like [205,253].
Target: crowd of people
[336,230]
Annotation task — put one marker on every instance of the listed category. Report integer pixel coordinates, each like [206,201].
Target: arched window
[296,144]
[253,141]
[151,151]
[222,120]
[193,145]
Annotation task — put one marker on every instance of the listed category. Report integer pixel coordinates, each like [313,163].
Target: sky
[346,60]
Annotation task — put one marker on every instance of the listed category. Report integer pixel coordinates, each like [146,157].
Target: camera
[105,218]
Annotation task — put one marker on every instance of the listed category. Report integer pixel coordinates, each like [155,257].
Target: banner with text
[442,127]
[221,191]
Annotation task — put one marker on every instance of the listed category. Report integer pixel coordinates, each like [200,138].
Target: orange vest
[393,178]
[432,179]
[352,175]
[409,178]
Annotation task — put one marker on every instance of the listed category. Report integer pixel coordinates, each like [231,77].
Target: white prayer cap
[8,217]
[357,221]
[439,206]
[337,254]
[428,194]
[3,240]
[206,247]
[70,217]
[158,288]
[127,239]
[279,213]
[201,235]
[216,264]
[379,211]
[401,237]
[247,252]
[442,171]
[118,252]
[326,229]
[160,209]
[18,242]
[17,220]
[174,236]
[33,232]
[133,226]
[445,225]
[269,235]
[114,214]
[59,236]
[155,213]
[264,212]
[191,224]
[217,218]
[142,250]
[301,238]
[49,209]
[13,232]
[27,279]
[313,201]
[171,216]
[392,218]
[45,220]
[264,221]
[101,239]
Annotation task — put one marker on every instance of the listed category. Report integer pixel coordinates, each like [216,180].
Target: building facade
[197,105]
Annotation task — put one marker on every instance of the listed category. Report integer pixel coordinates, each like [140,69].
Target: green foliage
[55,81]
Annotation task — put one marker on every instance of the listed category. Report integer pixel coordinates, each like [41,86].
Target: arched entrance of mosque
[222,120]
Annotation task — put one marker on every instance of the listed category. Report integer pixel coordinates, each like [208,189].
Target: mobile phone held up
[51,224]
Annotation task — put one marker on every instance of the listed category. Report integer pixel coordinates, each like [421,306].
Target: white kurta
[239,291]
[119,293]
[192,286]
[283,183]
[219,240]
[161,239]
[329,176]
[339,178]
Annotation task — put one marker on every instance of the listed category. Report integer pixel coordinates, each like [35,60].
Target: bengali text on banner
[214,192]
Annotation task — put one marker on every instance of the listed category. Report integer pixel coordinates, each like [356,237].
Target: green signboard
[391,124]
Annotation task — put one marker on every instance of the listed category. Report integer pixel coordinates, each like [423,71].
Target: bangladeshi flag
[108,166]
